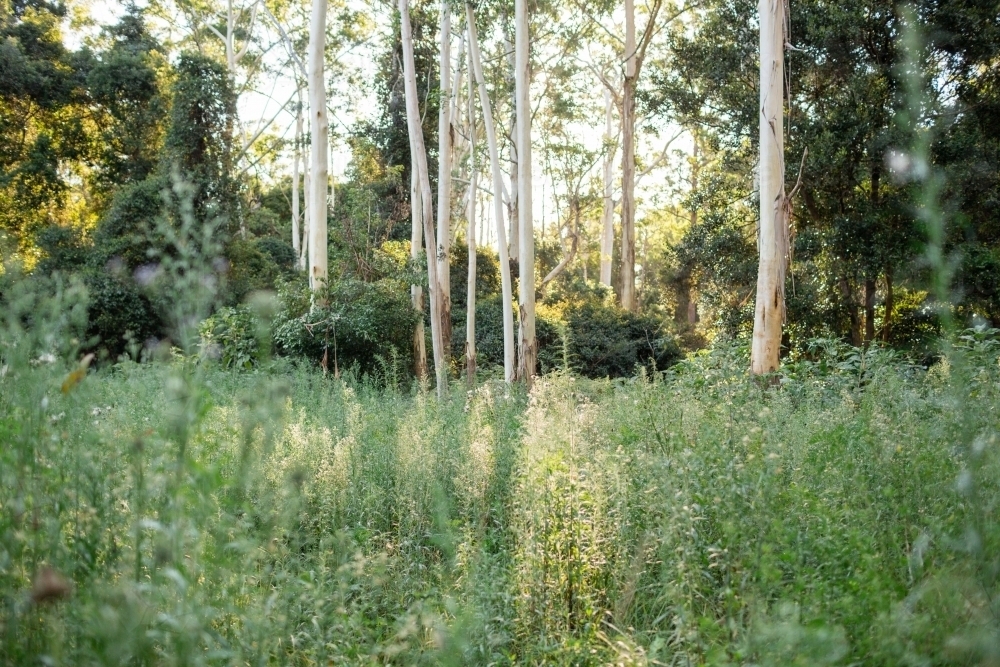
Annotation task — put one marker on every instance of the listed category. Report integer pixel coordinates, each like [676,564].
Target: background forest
[92,137]
[218,443]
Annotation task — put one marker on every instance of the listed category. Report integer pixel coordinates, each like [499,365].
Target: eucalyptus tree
[528,346]
[470,238]
[634,56]
[319,153]
[772,240]
[475,61]
[445,157]
[850,230]
[422,193]
[297,245]
[608,210]
[416,290]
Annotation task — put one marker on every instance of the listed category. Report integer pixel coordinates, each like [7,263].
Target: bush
[280,252]
[118,312]
[363,322]
[63,248]
[231,335]
[250,269]
[606,341]
[593,339]
[123,230]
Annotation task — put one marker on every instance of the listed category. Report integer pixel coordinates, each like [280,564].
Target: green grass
[846,516]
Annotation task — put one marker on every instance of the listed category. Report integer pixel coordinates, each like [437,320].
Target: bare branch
[660,158]
[253,21]
[288,41]
[798,183]
[260,130]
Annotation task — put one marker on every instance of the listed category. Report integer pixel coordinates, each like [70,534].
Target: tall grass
[172,513]
[690,518]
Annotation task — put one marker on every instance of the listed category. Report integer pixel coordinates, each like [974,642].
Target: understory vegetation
[175,512]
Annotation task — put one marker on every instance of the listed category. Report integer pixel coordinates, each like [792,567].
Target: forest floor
[178,514]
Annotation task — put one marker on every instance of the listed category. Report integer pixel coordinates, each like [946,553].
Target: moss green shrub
[362,324]
[230,335]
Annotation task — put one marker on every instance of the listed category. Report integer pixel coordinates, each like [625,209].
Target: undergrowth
[177,513]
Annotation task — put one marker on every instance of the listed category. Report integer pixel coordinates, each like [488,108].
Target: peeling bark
[772,242]
[528,348]
[320,127]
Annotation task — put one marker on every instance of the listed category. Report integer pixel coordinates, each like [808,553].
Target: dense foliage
[855,267]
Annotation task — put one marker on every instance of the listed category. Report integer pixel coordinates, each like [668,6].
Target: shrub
[231,334]
[362,323]
[63,247]
[593,339]
[123,230]
[606,341]
[250,269]
[117,312]
[280,252]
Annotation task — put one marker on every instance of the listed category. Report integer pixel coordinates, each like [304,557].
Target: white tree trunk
[319,126]
[331,201]
[512,204]
[470,238]
[416,291]
[458,144]
[607,215]
[772,241]
[527,350]
[491,142]
[307,211]
[628,161]
[296,158]
[418,159]
[445,145]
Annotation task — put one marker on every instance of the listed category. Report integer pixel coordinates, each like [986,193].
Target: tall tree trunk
[470,238]
[416,291]
[418,159]
[331,200]
[527,350]
[851,303]
[687,286]
[512,205]
[445,145]
[772,242]
[491,142]
[869,310]
[319,126]
[307,210]
[458,147]
[628,161]
[296,213]
[890,303]
[608,214]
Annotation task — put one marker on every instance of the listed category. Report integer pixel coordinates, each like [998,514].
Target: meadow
[175,513]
